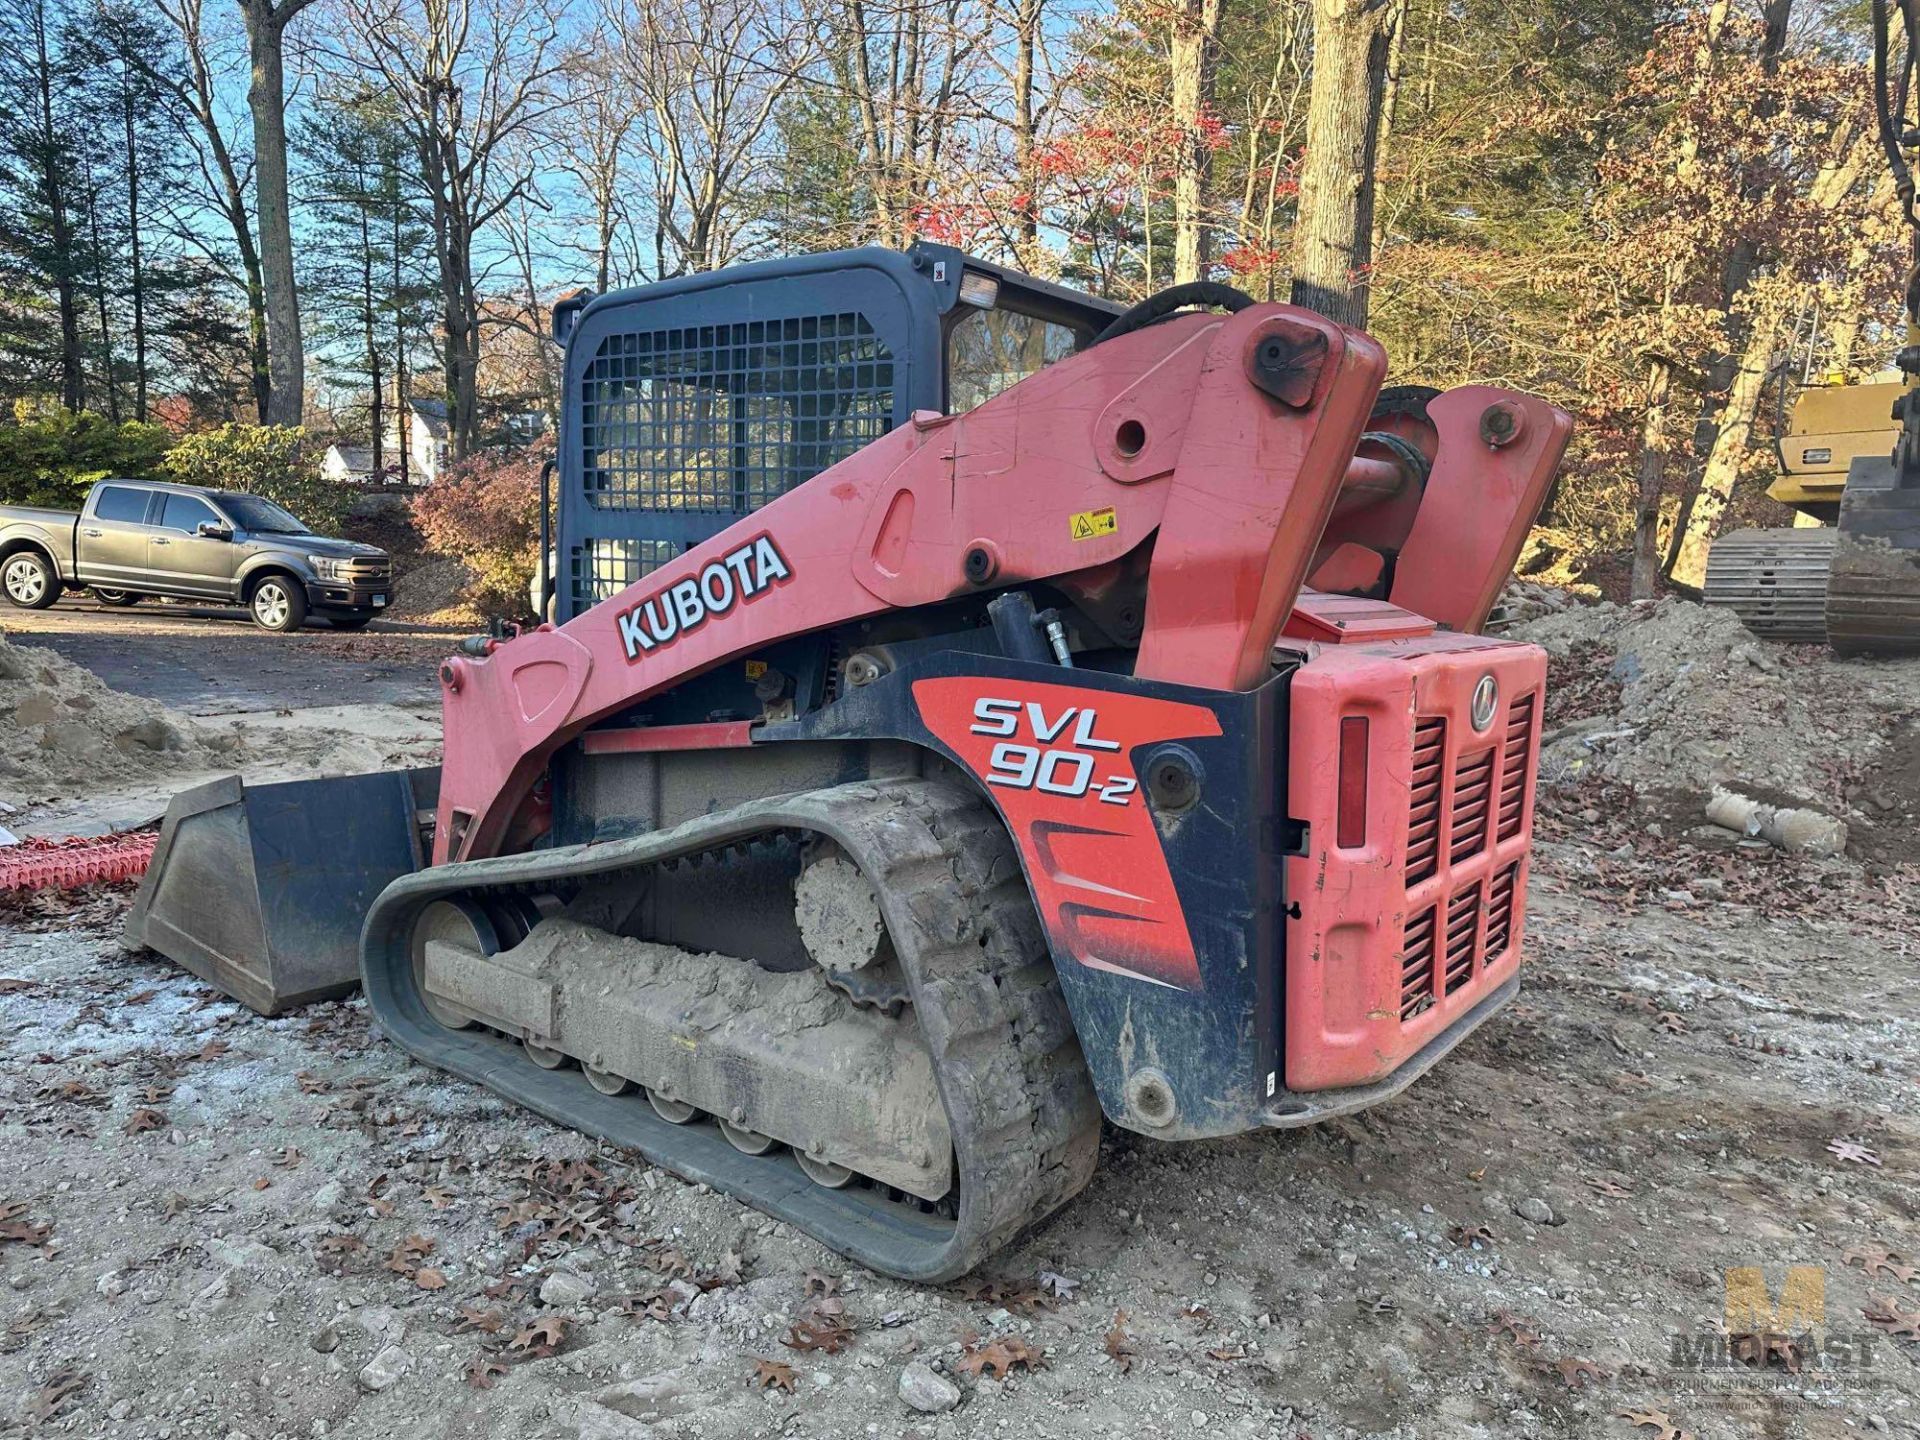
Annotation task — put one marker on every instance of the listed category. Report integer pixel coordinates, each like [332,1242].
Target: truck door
[185,561]
[111,547]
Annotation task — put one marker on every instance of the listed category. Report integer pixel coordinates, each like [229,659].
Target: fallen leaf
[1608,1186]
[484,1370]
[437,1197]
[429,1279]
[262,1183]
[1886,1314]
[1658,1420]
[1120,1345]
[1848,1150]
[771,1375]
[1058,1285]
[818,1283]
[1673,1024]
[288,1158]
[1466,1237]
[406,1255]
[1001,1357]
[1227,1352]
[311,1084]
[338,1247]
[140,997]
[144,1119]
[11,986]
[213,1050]
[59,1391]
[1516,1329]
[1576,1372]
[541,1336]
[487,1322]
[1874,1262]
[1756,1351]
[818,1330]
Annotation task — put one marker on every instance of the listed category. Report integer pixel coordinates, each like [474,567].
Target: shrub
[274,461]
[485,513]
[49,456]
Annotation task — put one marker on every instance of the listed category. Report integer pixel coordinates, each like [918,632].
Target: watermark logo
[1769,1336]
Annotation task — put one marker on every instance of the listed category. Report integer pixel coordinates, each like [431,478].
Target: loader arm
[1223,441]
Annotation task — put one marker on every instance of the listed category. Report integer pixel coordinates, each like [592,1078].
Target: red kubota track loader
[969,711]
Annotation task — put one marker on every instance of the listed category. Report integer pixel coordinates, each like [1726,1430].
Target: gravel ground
[215,1225]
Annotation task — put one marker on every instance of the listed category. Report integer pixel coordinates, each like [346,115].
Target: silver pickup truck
[136,538]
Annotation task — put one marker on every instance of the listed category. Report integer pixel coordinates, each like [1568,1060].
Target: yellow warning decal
[1091,524]
[755,669]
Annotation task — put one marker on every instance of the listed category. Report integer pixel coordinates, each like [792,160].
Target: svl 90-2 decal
[1059,762]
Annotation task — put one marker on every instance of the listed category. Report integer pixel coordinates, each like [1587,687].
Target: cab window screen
[988,350]
[117,502]
[722,418]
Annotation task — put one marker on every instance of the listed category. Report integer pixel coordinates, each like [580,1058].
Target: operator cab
[695,401]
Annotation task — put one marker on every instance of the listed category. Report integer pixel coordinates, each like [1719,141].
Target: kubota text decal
[744,573]
[1059,760]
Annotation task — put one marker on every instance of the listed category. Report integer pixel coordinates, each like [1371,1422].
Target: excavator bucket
[1873,593]
[260,890]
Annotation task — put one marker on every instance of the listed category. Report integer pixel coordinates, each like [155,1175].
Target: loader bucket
[260,890]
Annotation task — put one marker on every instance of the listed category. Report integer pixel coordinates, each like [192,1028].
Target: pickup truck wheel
[278,604]
[115,597]
[30,582]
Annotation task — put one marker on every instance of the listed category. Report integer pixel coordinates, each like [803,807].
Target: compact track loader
[969,711]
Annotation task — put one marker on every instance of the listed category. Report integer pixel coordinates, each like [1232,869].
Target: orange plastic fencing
[38,864]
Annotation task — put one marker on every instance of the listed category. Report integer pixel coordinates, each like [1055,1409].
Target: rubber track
[1020,1104]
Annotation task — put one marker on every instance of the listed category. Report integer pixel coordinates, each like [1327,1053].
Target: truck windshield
[261,517]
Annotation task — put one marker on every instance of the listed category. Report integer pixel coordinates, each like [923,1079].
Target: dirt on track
[285,1229]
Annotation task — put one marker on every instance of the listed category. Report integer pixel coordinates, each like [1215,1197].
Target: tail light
[1351,826]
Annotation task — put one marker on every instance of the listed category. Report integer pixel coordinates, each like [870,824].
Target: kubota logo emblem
[744,573]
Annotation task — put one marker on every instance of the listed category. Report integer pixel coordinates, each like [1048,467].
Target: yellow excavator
[1849,457]
[1783,582]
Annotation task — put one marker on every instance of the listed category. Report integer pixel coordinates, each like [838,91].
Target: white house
[426,442]
[348,464]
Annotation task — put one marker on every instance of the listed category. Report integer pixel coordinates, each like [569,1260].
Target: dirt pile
[1671,699]
[62,730]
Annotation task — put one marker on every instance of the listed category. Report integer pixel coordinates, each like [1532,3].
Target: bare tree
[194,87]
[267,99]
[1193,55]
[469,76]
[712,74]
[907,63]
[592,139]
[1333,238]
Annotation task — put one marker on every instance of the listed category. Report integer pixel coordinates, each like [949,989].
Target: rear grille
[1416,966]
[1514,754]
[1423,818]
[1463,919]
[1472,789]
[1500,911]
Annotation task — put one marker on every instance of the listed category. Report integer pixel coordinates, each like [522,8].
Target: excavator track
[1873,600]
[1774,580]
[981,997]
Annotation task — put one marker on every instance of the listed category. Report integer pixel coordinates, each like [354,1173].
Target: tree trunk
[1729,449]
[1332,240]
[60,223]
[369,315]
[138,277]
[98,255]
[1652,476]
[1193,56]
[267,100]
[1026,22]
